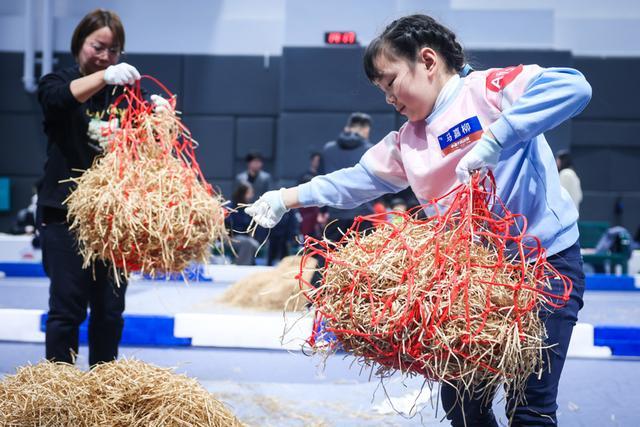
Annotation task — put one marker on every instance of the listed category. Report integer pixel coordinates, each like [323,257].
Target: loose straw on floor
[275,289]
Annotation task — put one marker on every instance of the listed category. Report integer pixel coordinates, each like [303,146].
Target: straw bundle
[43,395]
[145,205]
[119,393]
[275,289]
[440,298]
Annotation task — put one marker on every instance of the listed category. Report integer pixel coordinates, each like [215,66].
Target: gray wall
[258,27]
[288,106]
[605,143]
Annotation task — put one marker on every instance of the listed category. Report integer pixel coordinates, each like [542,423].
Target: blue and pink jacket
[517,104]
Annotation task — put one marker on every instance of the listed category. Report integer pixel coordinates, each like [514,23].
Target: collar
[446,95]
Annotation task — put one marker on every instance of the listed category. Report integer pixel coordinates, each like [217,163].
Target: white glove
[160,103]
[483,156]
[102,131]
[268,210]
[121,74]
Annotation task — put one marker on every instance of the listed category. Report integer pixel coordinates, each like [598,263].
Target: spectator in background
[255,176]
[26,218]
[237,222]
[568,178]
[312,217]
[314,167]
[282,237]
[635,244]
[379,208]
[398,204]
[345,152]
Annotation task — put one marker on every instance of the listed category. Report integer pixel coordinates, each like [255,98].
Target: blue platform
[623,340]
[139,330]
[22,269]
[608,282]
[35,269]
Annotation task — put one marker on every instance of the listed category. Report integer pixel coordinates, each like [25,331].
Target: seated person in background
[314,167]
[282,237]
[244,245]
[26,218]
[398,204]
[312,219]
[380,206]
[255,176]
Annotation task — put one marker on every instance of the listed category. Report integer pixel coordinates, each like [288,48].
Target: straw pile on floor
[275,289]
[145,205]
[428,297]
[116,394]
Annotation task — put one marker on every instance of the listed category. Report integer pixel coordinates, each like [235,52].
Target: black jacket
[345,152]
[65,123]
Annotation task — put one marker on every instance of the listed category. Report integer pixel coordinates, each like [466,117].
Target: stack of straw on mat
[454,297]
[145,205]
[115,394]
[275,289]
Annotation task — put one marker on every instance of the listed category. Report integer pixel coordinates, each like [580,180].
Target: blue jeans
[540,407]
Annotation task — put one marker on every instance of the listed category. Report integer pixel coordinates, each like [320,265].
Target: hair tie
[465,70]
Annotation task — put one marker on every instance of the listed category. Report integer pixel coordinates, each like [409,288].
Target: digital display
[340,37]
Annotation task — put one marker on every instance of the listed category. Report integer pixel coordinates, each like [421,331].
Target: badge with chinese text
[461,135]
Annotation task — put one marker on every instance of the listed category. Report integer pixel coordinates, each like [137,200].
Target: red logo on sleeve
[499,79]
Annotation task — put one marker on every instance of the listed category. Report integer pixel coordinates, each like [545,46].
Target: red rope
[135,107]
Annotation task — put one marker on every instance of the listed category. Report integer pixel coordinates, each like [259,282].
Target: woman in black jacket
[71,99]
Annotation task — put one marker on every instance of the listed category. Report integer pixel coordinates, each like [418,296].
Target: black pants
[278,249]
[540,407]
[72,290]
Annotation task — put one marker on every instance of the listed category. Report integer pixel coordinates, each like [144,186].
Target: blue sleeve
[345,188]
[553,96]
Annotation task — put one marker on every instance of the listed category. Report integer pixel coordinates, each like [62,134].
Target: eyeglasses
[99,48]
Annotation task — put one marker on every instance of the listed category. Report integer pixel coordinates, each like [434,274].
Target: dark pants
[278,249]
[72,290]
[540,407]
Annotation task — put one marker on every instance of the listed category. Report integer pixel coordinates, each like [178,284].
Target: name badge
[461,135]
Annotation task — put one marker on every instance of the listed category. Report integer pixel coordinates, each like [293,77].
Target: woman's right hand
[121,74]
[268,210]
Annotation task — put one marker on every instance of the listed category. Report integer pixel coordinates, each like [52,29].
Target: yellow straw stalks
[144,205]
